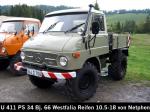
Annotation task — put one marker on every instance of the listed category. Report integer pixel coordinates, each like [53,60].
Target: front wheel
[40,82]
[84,85]
[4,64]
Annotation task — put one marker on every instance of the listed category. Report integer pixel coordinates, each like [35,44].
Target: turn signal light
[76,54]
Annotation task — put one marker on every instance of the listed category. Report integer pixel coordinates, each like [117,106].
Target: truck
[74,45]
[14,32]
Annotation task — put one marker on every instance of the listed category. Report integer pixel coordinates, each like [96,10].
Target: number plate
[34,72]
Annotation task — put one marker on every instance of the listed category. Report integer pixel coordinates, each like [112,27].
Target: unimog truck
[74,45]
[13,33]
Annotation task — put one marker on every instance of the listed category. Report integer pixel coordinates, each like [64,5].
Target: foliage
[97,6]
[46,9]
[123,11]
[29,11]
[129,23]
[146,25]
[25,11]
[134,21]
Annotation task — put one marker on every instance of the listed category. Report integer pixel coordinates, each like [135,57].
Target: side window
[100,20]
[31,27]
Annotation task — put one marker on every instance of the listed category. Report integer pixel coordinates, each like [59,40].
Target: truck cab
[13,33]
[74,45]
[61,35]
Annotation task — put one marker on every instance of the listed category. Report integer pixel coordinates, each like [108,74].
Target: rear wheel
[40,82]
[84,85]
[117,69]
[4,64]
[14,60]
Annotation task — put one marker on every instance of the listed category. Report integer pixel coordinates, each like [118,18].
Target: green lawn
[139,58]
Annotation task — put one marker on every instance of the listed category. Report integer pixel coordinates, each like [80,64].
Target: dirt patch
[20,89]
[122,91]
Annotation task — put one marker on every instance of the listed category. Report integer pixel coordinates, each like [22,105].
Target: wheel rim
[86,82]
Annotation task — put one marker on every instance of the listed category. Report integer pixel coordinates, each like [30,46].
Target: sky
[104,4]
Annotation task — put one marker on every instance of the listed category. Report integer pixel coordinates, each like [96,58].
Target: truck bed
[119,41]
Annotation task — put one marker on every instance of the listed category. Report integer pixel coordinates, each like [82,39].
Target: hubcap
[86,82]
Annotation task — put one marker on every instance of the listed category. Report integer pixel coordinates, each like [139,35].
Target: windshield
[62,23]
[11,26]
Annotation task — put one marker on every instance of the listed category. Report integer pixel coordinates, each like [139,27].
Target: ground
[19,89]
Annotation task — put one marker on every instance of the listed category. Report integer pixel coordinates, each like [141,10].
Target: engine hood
[46,42]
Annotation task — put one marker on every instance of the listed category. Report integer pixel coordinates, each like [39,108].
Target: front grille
[42,59]
[31,66]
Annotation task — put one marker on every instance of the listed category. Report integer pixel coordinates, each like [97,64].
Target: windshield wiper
[51,27]
[75,27]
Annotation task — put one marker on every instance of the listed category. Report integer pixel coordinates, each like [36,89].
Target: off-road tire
[84,85]
[4,64]
[13,61]
[40,82]
[117,69]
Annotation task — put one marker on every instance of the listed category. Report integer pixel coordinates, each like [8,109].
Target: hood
[46,42]
[3,36]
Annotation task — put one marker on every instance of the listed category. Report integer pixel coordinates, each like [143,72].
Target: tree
[146,26]
[130,26]
[118,27]
[97,6]
[26,11]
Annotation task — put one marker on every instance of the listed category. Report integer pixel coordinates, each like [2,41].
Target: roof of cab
[73,11]
[21,19]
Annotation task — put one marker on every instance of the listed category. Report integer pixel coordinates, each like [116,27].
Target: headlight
[22,55]
[63,61]
[3,50]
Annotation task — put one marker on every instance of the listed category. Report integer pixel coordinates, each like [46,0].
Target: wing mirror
[95,27]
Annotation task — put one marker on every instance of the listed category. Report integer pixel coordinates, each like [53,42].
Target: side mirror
[95,27]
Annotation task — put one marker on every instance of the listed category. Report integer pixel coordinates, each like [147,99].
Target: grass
[139,58]
[139,51]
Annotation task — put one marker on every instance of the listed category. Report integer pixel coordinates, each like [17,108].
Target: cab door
[99,44]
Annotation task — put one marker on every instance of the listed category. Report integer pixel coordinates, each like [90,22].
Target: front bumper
[46,74]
